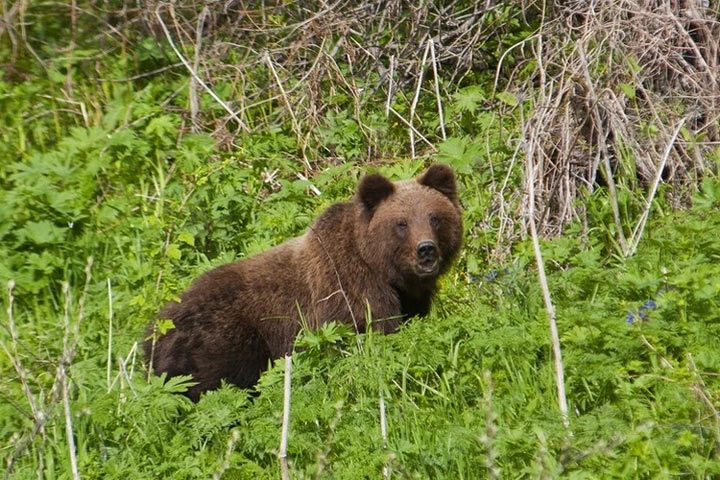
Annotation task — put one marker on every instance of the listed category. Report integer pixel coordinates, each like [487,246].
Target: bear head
[409,230]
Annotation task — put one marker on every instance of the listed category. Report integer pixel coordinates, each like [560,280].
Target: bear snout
[427,250]
[427,256]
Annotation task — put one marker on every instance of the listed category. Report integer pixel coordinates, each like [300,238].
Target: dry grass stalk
[12,353]
[488,437]
[62,374]
[390,85]
[416,97]
[234,437]
[554,336]
[282,454]
[193,91]
[110,334]
[413,130]
[286,99]
[436,84]
[383,432]
[637,232]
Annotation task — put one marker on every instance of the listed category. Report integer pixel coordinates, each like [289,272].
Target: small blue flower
[491,276]
[646,307]
[642,312]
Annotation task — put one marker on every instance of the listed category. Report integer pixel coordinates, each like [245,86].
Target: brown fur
[235,318]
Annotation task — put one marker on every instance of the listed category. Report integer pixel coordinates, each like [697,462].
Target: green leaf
[186,238]
[138,300]
[162,128]
[507,98]
[628,90]
[173,252]
[467,99]
[41,233]
[460,153]
[164,325]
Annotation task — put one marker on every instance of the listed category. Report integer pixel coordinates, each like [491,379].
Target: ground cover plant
[142,145]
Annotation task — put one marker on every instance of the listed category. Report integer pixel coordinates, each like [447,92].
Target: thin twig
[193,90]
[123,374]
[140,75]
[68,423]
[12,353]
[62,375]
[153,342]
[383,432]
[422,137]
[234,437]
[192,72]
[295,124]
[637,233]
[437,89]
[110,333]
[8,16]
[663,361]
[416,98]
[391,77]
[282,454]
[313,188]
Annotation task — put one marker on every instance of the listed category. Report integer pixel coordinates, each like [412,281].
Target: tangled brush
[625,93]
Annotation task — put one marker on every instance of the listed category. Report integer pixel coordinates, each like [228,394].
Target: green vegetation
[123,179]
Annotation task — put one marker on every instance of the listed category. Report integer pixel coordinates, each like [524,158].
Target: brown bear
[385,249]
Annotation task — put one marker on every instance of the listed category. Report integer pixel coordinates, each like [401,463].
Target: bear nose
[427,249]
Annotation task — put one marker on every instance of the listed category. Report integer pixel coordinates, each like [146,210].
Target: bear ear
[373,189]
[441,178]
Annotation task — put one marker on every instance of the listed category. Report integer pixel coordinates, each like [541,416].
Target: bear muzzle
[428,259]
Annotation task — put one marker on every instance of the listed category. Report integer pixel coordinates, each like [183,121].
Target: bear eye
[434,221]
[401,224]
